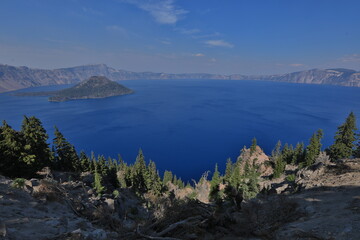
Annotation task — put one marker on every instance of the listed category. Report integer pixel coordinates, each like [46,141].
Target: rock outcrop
[256,158]
[325,206]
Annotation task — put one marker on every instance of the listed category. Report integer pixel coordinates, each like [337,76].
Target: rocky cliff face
[13,78]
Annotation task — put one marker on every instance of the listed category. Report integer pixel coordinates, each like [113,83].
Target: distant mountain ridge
[13,78]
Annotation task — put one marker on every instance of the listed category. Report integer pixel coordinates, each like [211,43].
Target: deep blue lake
[189,125]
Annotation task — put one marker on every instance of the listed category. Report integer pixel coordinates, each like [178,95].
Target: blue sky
[212,36]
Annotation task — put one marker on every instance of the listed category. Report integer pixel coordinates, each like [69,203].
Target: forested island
[94,87]
[257,195]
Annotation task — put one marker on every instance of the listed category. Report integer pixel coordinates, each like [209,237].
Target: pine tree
[214,185]
[314,148]
[102,166]
[357,151]
[345,137]
[111,175]
[288,153]
[277,149]
[122,172]
[153,181]
[251,188]
[278,160]
[139,172]
[98,182]
[36,148]
[180,183]
[11,152]
[229,169]
[253,146]
[66,158]
[236,177]
[299,154]
[174,181]
[84,162]
[168,177]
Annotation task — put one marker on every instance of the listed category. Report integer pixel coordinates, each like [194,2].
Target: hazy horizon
[225,74]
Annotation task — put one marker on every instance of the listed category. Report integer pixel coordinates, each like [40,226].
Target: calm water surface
[189,125]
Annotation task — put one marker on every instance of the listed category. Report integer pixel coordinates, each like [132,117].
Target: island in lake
[94,87]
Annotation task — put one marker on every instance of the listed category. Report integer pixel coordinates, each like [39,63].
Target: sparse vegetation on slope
[132,201]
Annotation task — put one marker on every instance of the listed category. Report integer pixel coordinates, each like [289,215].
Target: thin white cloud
[211,35]
[351,58]
[219,43]
[296,65]
[199,55]
[163,11]
[116,28]
[165,42]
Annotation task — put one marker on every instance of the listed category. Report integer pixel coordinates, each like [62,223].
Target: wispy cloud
[163,11]
[290,64]
[351,58]
[198,55]
[219,43]
[116,28]
[296,65]
[165,42]
[211,35]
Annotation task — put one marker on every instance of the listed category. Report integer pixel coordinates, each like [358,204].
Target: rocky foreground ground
[322,203]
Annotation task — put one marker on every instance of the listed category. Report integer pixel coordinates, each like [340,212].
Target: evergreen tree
[66,158]
[345,137]
[215,177]
[168,177]
[36,148]
[122,172]
[153,181]
[180,183]
[253,146]
[288,153]
[277,149]
[229,169]
[98,182]
[299,154]
[314,148]
[139,172]
[236,177]
[357,151]
[250,188]
[174,181]
[278,160]
[102,166]
[214,185]
[85,162]
[111,175]
[11,152]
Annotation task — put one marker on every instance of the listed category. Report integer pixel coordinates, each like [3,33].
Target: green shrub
[18,183]
[116,193]
[192,195]
[291,178]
